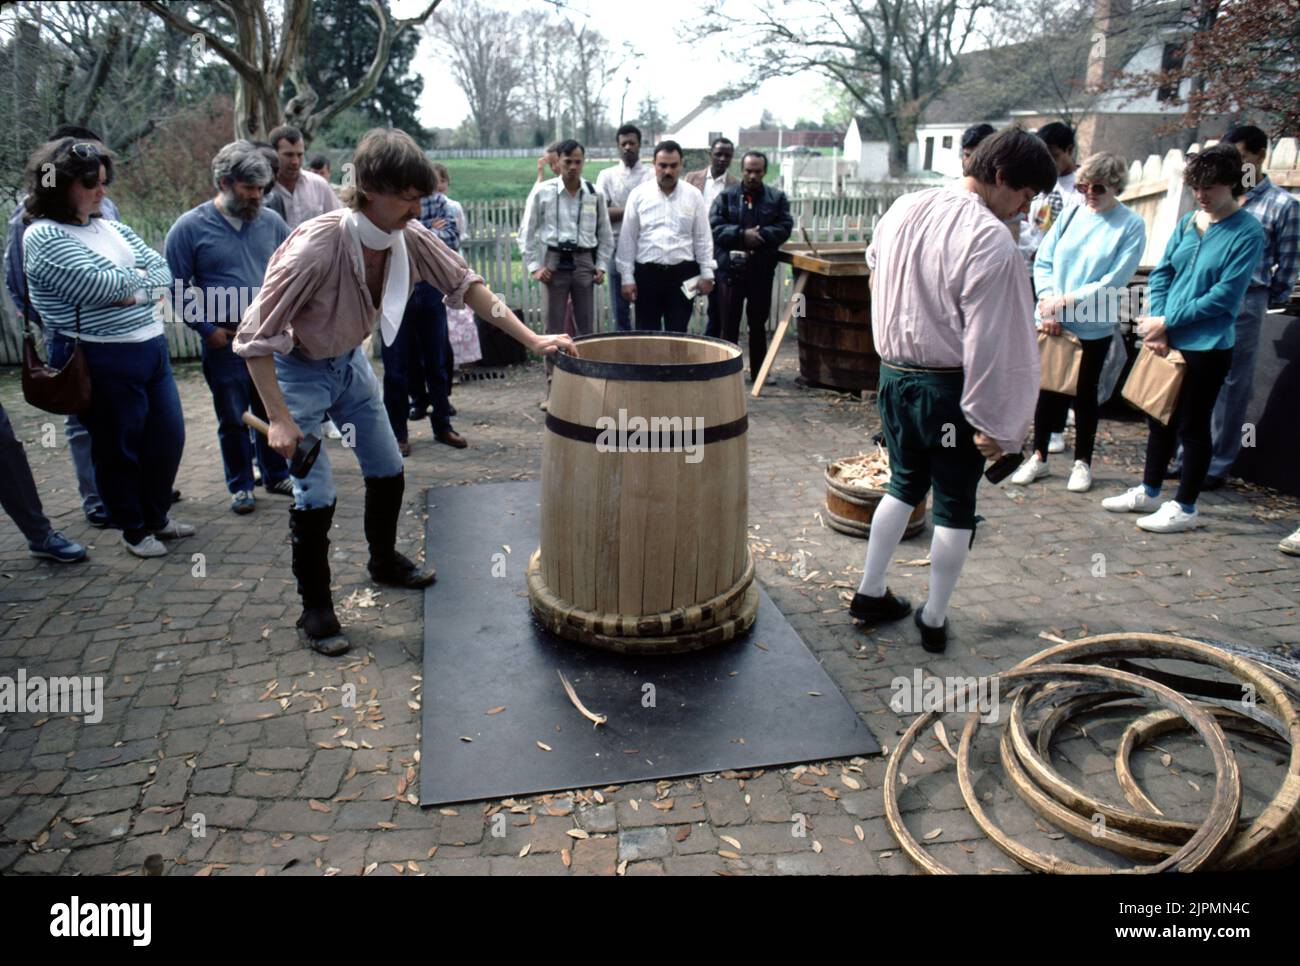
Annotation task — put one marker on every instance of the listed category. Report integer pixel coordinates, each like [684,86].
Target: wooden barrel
[850,509]
[645,492]
[836,349]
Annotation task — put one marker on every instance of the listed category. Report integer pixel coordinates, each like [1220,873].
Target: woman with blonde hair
[1085,261]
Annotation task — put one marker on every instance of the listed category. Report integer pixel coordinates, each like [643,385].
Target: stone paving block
[166,641]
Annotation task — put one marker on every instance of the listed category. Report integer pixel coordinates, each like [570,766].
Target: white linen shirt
[617,182]
[665,229]
[950,289]
[311,196]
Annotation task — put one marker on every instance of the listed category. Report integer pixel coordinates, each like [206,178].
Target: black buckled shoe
[933,639]
[877,610]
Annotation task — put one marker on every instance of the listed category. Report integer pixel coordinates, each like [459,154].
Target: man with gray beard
[218,253]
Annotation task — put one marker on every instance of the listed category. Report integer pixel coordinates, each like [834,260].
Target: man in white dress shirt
[712,181]
[567,240]
[616,184]
[304,193]
[665,241]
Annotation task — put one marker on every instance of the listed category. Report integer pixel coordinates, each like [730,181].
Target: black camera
[566,250]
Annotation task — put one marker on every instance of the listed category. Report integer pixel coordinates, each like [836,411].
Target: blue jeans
[419,362]
[619,306]
[18,496]
[84,464]
[347,387]
[137,430]
[233,395]
[1234,398]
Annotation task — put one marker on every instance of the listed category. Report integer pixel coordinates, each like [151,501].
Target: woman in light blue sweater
[1083,265]
[93,282]
[1196,291]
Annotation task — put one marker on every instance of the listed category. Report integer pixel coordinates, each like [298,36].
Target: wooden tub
[836,349]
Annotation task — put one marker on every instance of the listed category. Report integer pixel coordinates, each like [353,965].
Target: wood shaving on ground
[866,471]
[595,719]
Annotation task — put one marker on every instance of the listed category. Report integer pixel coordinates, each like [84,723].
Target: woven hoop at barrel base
[715,621]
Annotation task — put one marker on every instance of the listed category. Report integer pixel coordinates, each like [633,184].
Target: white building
[1034,83]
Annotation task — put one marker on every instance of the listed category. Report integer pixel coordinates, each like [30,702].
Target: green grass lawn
[500,179]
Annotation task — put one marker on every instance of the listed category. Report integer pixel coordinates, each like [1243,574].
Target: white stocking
[887,526]
[948,551]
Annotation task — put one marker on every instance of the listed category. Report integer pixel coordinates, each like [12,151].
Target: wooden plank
[588,464]
[637,493]
[688,520]
[799,284]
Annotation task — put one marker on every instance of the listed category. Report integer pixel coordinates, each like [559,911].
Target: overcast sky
[678,73]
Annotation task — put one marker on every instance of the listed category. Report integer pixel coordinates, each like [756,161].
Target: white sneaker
[1170,518]
[1056,443]
[1080,478]
[148,547]
[331,430]
[1130,501]
[1069,417]
[1291,545]
[1030,470]
[174,530]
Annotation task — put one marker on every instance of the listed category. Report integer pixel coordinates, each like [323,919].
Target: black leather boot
[311,565]
[383,508]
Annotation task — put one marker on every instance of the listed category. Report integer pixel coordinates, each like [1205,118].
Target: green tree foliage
[340,46]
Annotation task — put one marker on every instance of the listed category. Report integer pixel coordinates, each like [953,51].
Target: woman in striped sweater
[92,279]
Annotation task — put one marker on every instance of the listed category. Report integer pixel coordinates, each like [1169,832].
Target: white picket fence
[490,246]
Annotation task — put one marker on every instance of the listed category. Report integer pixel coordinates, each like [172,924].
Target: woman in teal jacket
[1195,293]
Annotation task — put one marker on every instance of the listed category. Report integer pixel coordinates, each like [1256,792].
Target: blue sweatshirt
[1201,279]
[1090,257]
[205,252]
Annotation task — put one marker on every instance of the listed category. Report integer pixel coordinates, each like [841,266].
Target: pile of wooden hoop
[1072,677]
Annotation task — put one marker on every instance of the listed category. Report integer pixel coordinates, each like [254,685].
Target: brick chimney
[1104,55]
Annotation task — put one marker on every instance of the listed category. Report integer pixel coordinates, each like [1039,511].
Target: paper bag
[1060,357]
[1154,383]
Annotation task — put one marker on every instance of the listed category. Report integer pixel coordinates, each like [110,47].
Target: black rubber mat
[740,705]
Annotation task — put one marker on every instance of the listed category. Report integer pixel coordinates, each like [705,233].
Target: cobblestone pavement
[216,720]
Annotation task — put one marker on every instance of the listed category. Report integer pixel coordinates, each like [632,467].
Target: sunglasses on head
[1090,189]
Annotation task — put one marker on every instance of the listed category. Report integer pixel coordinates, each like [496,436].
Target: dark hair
[440,170]
[628,129]
[74,131]
[727,141]
[1255,140]
[973,135]
[755,154]
[388,161]
[1057,135]
[568,146]
[1022,158]
[64,158]
[318,161]
[285,132]
[1220,164]
[667,147]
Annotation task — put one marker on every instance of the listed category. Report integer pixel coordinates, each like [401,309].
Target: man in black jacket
[750,221]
